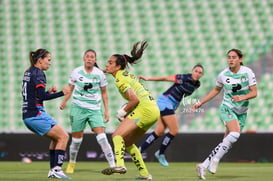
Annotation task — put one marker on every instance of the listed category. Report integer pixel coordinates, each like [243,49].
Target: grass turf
[84,171]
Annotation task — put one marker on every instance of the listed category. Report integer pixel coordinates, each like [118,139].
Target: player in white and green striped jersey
[88,83]
[239,84]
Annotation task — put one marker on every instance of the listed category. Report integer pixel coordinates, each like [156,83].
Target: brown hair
[124,59]
[91,50]
[34,56]
[238,52]
[198,65]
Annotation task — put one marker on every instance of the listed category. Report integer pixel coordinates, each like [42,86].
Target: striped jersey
[126,80]
[183,86]
[87,87]
[236,84]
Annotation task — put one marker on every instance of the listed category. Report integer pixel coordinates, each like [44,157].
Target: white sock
[74,149]
[211,156]
[231,138]
[106,148]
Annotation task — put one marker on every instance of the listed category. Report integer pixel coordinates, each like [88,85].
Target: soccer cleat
[57,173]
[113,170]
[201,171]
[213,166]
[161,158]
[70,167]
[140,177]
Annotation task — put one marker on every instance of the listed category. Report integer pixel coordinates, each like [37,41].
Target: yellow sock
[137,159]
[119,147]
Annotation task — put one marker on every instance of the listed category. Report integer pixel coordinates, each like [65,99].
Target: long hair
[238,52]
[91,50]
[34,56]
[136,53]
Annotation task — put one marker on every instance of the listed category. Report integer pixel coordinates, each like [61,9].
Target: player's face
[89,59]
[45,62]
[234,60]
[197,73]
[111,66]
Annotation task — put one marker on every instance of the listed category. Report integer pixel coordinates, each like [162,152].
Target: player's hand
[142,77]
[52,89]
[62,106]
[106,116]
[121,114]
[66,90]
[236,98]
[196,106]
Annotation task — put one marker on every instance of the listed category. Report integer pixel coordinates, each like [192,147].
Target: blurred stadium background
[180,34]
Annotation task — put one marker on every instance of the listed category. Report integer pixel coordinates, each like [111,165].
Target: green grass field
[86,171]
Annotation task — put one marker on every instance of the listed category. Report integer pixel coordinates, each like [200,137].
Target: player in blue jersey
[88,84]
[34,115]
[239,85]
[184,85]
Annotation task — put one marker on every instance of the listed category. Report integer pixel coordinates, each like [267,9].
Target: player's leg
[105,146]
[159,131]
[171,122]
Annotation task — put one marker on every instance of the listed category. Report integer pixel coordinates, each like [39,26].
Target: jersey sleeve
[251,78]
[72,78]
[179,78]
[103,82]
[219,81]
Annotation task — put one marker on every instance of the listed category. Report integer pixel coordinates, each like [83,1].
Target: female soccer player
[34,115]
[239,84]
[140,113]
[184,85]
[88,84]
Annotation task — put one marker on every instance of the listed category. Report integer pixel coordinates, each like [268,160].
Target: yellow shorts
[145,114]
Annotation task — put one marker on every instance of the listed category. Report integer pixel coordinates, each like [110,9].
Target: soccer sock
[231,138]
[206,162]
[59,158]
[51,157]
[74,149]
[148,141]
[165,143]
[106,148]
[119,147]
[137,159]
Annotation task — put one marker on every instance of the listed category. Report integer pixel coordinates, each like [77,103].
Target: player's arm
[43,95]
[214,92]
[105,103]
[67,96]
[171,78]
[132,103]
[250,95]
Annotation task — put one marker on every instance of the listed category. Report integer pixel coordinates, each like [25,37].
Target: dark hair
[34,56]
[91,50]
[122,60]
[238,52]
[198,65]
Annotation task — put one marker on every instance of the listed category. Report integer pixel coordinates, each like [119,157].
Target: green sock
[119,147]
[137,159]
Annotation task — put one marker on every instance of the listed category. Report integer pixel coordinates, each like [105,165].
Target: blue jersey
[183,86]
[33,92]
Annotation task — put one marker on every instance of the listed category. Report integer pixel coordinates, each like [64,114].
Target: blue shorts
[40,124]
[167,105]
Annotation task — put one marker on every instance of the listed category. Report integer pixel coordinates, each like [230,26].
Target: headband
[125,60]
[40,55]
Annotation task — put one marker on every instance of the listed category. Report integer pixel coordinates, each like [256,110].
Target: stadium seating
[180,34]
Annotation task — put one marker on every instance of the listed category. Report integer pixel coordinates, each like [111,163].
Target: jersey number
[24,90]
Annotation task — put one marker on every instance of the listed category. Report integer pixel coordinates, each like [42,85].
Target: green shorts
[79,116]
[145,115]
[227,114]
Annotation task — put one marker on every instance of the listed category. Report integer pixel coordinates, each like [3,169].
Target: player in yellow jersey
[140,113]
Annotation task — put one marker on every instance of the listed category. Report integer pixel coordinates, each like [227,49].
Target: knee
[159,132]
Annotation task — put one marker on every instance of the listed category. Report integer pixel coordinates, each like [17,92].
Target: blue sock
[148,141]
[165,142]
[52,158]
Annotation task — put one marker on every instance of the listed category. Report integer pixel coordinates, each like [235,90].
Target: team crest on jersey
[243,79]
